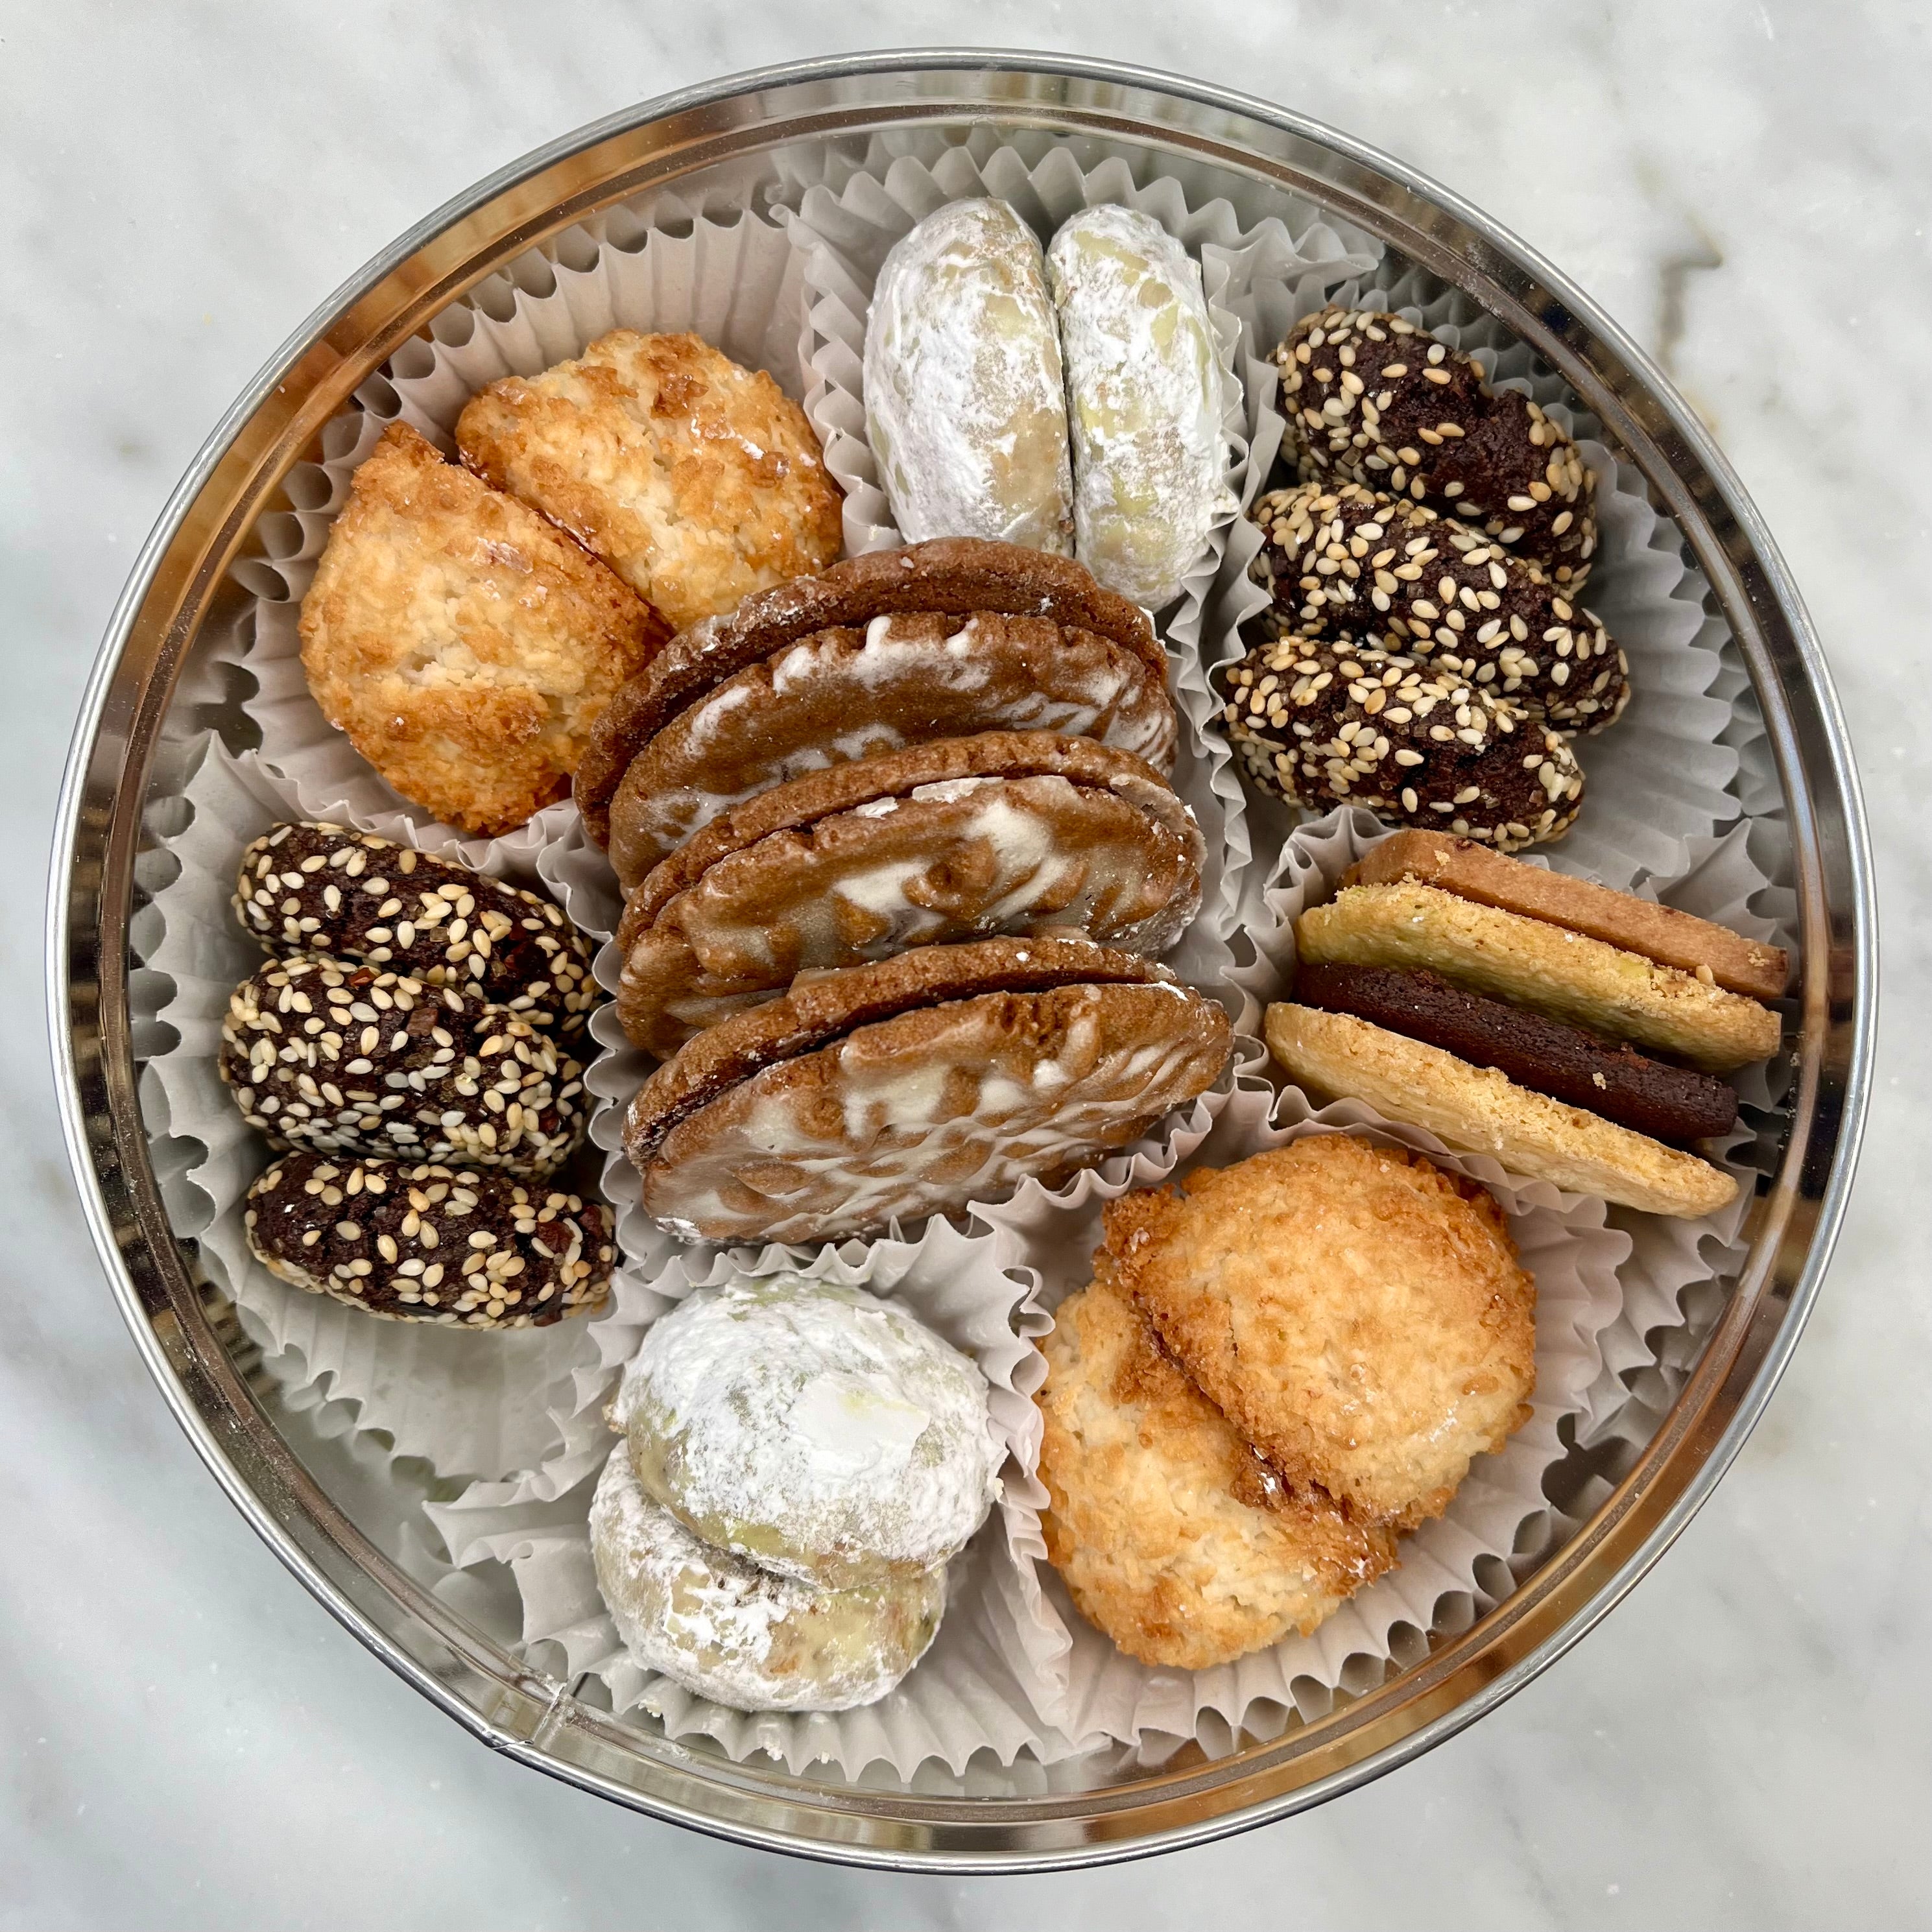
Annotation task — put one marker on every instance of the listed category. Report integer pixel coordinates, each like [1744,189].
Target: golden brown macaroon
[697,480]
[463,644]
[1358,1313]
[1174,1538]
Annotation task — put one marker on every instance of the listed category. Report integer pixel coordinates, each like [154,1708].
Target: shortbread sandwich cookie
[1518,1033]
[954,575]
[1659,932]
[913,1086]
[961,838]
[843,695]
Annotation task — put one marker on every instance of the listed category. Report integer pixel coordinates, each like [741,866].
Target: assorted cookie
[413,1039]
[1558,1026]
[892,1091]
[463,643]
[1280,1367]
[419,1241]
[697,480]
[901,855]
[1007,832]
[1070,404]
[799,1463]
[1372,398]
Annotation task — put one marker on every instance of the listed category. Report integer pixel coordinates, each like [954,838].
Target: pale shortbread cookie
[1481,1110]
[1007,831]
[915,1086]
[815,1430]
[697,480]
[965,398]
[1357,1313]
[1566,974]
[845,694]
[1172,1535]
[465,646]
[729,1631]
[1659,932]
[1144,401]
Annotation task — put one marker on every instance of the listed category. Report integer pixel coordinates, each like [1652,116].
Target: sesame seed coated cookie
[1323,723]
[350,1059]
[420,1242]
[321,888]
[1341,561]
[1372,399]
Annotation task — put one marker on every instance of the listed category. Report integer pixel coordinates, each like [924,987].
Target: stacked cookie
[898,849]
[1424,655]
[466,625]
[800,1463]
[413,1044]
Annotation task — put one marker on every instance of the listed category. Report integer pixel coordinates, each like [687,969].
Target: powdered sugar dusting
[816,1428]
[1144,401]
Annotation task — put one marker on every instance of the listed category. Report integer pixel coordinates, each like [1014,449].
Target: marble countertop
[189,1740]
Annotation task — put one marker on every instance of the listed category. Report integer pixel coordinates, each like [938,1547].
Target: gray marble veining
[189,1741]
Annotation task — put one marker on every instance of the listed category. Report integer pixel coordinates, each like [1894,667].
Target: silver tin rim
[534,1720]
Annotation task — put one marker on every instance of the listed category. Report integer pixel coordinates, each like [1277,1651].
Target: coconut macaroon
[464,645]
[1006,832]
[697,480]
[1357,1313]
[1172,1535]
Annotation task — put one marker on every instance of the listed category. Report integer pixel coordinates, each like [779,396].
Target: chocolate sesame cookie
[1372,399]
[321,888]
[418,1242]
[956,575]
[1323,723]
[911,1087]
[843,695]
[1342,561]
[346,1059]
[1008,832]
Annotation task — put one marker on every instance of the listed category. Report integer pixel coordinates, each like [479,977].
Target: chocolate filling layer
[1669,1103]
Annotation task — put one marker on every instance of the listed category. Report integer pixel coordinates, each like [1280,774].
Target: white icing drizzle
[1143,400]
[820,1430]
[965,405]
[742,1635]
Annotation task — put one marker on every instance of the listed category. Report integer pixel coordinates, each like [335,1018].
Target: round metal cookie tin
[1107,1805]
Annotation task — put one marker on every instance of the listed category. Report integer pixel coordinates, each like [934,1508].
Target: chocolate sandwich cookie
[1669,1103]
[1372,399]
[1007,831]
[345,1059]
[1342,561]
[842,694]
[327,889]
[912,1087]
[948,575]
[420,1242]
[1321,724]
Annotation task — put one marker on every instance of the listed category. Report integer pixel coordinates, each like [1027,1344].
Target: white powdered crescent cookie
[1144,401]
[738,1634]
[965,401]
[814,1429]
